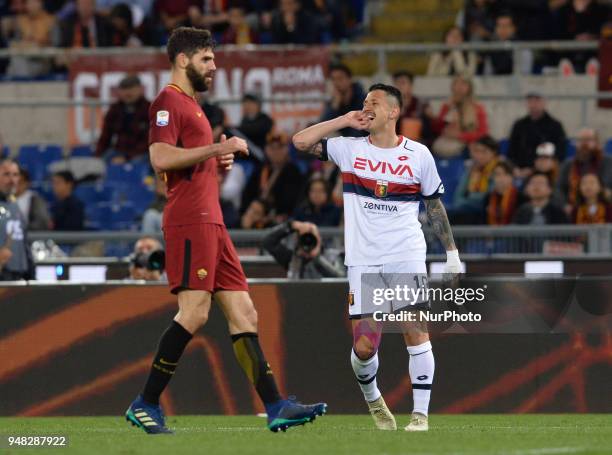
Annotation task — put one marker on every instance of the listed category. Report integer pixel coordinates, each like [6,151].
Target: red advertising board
[298,73]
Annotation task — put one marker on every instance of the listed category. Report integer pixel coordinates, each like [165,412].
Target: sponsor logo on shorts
[163,118]
[202,273]
[351,298]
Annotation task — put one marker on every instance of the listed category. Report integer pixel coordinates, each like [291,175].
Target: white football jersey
[382,191]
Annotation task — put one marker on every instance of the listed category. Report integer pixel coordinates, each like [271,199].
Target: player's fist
[233,145]
[357,120]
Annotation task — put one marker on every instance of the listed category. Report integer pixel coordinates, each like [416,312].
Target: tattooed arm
[436,213]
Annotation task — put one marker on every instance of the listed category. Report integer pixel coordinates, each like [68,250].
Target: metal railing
[565,240]
[380,50]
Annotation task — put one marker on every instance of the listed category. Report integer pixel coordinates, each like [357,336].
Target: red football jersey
[193,193]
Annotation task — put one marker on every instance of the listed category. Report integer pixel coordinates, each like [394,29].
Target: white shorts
[410,273]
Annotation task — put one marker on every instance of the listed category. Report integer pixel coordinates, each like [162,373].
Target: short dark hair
[67,176]
[24,174]
[507,166]
[489,143]
[341,67]
[403,73]
[505,13]
[188,40]
[389,90]
[540,174]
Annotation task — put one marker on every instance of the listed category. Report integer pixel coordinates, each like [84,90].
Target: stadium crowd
[27,24]
[535,176]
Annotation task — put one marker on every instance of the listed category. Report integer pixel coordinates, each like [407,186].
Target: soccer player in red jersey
[201,260]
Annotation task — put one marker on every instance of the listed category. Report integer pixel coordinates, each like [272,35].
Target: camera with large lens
[307,242]
[152,261]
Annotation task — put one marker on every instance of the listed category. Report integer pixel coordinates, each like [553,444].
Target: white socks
[365,370]
[421,368]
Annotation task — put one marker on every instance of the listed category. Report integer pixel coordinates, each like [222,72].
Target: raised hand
[357,120]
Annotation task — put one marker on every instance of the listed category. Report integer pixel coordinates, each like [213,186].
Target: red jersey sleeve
[165,119]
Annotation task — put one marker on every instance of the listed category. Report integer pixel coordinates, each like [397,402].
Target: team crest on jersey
[381,188]
[163,118]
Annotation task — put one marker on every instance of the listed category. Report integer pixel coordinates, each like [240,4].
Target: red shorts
[202,257]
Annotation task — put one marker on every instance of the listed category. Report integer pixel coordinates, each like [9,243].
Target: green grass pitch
[533,434]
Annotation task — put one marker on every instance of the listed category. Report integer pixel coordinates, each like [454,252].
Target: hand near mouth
[358,120]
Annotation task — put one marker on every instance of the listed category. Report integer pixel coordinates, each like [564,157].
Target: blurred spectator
[33,29]
[126,124]
[317,208]
[234,182]
[528,132]
[215,116]
[255,124]
[414,121]
[174,13]
[15,257]
[238,31]
[122,24]
[292,24]
[147,261]
[278,183]
[152,217]
[476,182]
[502,62]
[346,96]
[211,14]
[504,198]
[592,206]
[67,210]
[332,176]
[540,209]
[84,27]
[229,211]
[449,63]
[34,26]
[461,120]
[330,22]
[255,216]
[33,207]
[581,20]
[307,259]
[478,19]
[140,8]
[545,161]
[589,159]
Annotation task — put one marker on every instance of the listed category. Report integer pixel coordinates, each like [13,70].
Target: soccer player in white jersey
[384,178]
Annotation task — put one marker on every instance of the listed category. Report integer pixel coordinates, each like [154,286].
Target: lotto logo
[163,118]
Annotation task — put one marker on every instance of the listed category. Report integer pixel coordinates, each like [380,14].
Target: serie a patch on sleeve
[163,118]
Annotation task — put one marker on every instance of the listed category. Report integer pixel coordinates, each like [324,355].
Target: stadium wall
[86,350]
[22,125]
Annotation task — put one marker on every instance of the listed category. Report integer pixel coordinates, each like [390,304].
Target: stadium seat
[570,151]
[92,193]
[450,172]
[504,146]
[608,147]
[84,151]
[35,158]
[5,151]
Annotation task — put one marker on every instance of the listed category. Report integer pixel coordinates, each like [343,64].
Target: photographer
[148,260]
[15,256]
[308,259]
